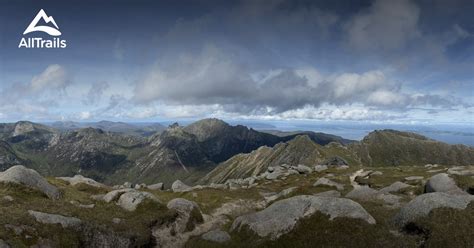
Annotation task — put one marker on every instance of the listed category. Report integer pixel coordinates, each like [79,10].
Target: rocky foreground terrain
[283,206]
[210,184]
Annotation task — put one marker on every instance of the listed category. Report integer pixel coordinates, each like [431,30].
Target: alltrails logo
[38,42]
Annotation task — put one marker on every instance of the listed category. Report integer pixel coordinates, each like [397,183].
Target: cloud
[215,77]
[34,99]
[85,115]
[95,93]
[53,77]
[387,25]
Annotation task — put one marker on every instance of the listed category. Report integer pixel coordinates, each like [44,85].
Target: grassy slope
[394,148]
[342,232]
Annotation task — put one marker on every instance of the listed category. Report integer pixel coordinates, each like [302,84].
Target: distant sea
[449,133]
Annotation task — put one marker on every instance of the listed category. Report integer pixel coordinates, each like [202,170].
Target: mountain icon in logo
[47,19]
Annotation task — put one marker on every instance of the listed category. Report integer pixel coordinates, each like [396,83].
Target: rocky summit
[211,184]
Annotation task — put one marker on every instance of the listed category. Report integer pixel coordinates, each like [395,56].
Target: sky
[380,61]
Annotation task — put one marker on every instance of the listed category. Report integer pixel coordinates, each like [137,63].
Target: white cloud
[387,98]
[347,85]
[53,77]
[85,115]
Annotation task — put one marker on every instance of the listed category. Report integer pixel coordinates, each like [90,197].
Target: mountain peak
[207,128]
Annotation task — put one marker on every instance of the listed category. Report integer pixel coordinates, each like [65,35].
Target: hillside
[208,150]
[8,157]
[93,152]
[170,155]
[221,140]
[395,148]
[379,148]
[134,129]
[317,137]
[300,150]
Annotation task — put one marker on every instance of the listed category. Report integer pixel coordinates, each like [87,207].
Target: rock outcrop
[156,186]
[78,179]
[132,199]
[189,214]
[299,151]
[179,186]
[366,193]
[113,195]
[327,182]
[64,221]
[394,187]
[30,178]
[177,232]
[217,236]
[282,216]
[442,183]
[422,205]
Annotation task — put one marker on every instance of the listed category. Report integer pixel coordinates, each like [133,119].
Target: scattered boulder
[303,169]
[127,185]
[282,216]
[442,183]
[414,178]
[217,236]
[21,175]
[64,221]
[217,186]
[431,165]
[328,182]
[77,179]
[77,204]
[365,174]
[140,186]
[461,171]
[319,168]
[366,193]
[179,186]
[114,195]
[8,198]
[394,187]
[189,214]
[330,193]
[276,173]
[362,193]
[376,173]
[423,204]
[156,186]
[131,199]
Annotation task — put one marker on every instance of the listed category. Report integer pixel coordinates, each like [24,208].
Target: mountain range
[209,150]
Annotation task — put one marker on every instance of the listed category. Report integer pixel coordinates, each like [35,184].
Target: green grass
[434,231]
[446,228]
[98,218]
